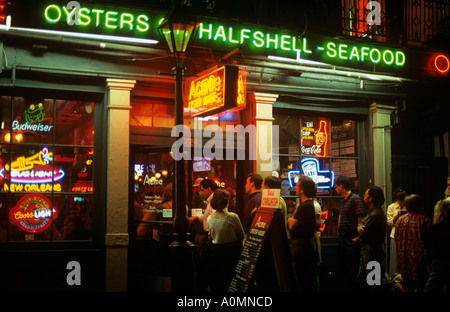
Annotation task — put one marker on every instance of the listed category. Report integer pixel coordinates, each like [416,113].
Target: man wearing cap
[197,200]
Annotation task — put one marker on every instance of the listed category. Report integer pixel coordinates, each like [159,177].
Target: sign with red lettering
[215,90]
[34,213]
[314,137]
[270,198]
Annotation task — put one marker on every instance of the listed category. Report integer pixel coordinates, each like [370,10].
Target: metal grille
[427,20]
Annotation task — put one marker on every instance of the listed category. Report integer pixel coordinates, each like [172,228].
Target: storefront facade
[87,120]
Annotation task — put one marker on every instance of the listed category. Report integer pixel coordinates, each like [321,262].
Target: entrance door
[150,215]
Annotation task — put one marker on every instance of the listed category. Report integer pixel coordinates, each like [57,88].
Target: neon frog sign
[35,121]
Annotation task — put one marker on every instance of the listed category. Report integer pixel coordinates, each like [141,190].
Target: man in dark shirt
[253,191]
[301,227]
[372,233]
[351,213]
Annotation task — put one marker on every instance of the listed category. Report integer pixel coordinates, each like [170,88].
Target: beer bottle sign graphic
[321,139]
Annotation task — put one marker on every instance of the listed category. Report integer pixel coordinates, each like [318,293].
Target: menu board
[251,250]
[267,231]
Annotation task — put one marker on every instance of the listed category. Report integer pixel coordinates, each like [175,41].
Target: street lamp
[177,31]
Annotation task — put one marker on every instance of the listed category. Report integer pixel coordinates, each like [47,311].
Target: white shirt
[226,230]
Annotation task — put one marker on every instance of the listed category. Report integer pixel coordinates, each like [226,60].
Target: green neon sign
[97,18]
[262,42]
[255,38]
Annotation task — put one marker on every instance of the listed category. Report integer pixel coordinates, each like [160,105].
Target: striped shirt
[350,210]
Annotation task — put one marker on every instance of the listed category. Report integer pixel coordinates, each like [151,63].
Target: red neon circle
[445,60]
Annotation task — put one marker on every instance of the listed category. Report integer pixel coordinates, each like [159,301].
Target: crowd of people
[417,245]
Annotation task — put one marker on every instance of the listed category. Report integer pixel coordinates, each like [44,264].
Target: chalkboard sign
[267,232]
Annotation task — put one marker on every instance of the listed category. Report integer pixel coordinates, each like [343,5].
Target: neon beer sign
[33,174]
[34,121]
[33,213]
[216,90]
[324,179]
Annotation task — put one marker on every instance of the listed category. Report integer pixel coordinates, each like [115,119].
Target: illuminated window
[152,113]
[46,165]
[359,19]
[322,148]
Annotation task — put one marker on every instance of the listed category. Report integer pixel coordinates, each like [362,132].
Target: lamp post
[178,31]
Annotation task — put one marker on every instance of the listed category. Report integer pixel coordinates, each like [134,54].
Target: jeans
[348,257]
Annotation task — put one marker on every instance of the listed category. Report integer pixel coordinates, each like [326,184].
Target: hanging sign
[215,90]
[33,213]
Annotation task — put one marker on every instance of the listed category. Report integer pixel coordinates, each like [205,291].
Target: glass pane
[163,115]
[5,119]
[74,221]
[75,165]
[344,138]
[31,217]
[31,170]
[4,163]
[4,216]
[32,120]
[74,122]
[152,173]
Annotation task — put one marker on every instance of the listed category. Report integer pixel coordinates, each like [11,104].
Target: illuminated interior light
[7,25]
[442,64]
[87,36]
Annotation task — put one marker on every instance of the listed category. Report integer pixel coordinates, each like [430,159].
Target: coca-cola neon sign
[314,141]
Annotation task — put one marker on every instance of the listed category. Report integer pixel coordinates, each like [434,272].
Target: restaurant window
[46,169]
[322,148]
[152,113]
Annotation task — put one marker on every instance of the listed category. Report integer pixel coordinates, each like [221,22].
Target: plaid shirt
[350,210]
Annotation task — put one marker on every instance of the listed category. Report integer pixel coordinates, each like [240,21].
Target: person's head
[220,200]
[207,187]
[167,194]
[342,185]
[414,203]
[399,196]
[271,182]
[447,190]
[253,183]
[196,184]
[441,211]
[374,195]
[306,186]
[139,196]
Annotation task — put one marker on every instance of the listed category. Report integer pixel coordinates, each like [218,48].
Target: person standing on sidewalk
[351,213]
[301,228]
[372,233]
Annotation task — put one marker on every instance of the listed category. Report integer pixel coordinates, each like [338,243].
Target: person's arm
[292,223]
